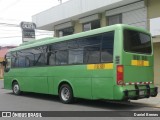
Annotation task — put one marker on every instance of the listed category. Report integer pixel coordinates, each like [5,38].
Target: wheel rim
[65,94]
[16,88]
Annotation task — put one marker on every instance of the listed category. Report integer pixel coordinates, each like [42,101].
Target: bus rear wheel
[16,88]
[66,94]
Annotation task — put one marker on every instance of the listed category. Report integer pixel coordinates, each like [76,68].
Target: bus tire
[66,94]
[16,88]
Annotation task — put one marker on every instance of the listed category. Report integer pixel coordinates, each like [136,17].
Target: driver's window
[8,62]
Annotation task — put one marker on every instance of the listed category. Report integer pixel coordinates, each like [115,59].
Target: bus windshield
[137,42]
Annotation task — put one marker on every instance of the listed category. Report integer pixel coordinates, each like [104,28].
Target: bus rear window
[137,42]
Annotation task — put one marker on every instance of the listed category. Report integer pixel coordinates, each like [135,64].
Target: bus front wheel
[16,88]
[66,94]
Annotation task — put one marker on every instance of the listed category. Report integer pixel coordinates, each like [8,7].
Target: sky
[12,12]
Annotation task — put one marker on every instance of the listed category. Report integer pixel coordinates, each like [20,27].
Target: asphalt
[152,101]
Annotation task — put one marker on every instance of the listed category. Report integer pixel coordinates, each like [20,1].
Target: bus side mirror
[6,69]
[5,66]
[4,63]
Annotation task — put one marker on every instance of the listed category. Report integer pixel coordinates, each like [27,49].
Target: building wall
[74,9]
[157,63]
[132,14]
[77,27]
[55,33]
[103,19]
[153,7]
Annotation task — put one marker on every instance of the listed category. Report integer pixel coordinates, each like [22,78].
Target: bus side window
[88,41]
[59,46]
[75,56]
[92,54]
[7,63]
[14,62]
[72,44]
[62,57]
[39,59]
[107,47]
[91,46]
[29,60]
[52,58]
[21,61]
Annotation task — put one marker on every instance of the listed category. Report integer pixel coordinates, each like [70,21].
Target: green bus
[109,63]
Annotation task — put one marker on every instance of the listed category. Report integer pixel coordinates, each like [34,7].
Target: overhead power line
[21,36]
[19,30]
[6,19]
[10,30]
[10,25]
[10,37]
[16,25]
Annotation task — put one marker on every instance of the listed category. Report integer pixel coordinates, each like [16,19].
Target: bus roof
[50,40]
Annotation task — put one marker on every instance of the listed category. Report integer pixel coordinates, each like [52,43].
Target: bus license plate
[141,92]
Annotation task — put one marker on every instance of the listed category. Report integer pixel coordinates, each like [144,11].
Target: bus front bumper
[141,93]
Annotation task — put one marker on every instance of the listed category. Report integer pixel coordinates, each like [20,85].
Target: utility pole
[60,1]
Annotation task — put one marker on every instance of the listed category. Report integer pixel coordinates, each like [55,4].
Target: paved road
[41,102]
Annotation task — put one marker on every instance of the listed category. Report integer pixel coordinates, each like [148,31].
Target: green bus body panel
[89,84]
[102,88]
[85,83]
[137,73]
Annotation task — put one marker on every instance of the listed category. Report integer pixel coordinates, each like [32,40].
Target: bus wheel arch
[65,92]
[15,87]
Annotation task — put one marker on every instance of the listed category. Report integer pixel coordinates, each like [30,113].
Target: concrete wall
[103,20]
[77,27]
[56,33]
[153,8]
[73,10]
[153,11]
[157,63]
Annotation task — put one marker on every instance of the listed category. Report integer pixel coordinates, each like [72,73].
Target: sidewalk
[152,101]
